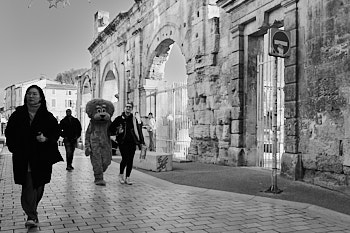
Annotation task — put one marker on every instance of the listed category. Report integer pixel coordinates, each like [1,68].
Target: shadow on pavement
[252,181]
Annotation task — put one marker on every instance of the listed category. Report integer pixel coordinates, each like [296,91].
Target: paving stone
[73,203]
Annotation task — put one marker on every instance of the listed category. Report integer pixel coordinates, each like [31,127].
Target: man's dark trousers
[70,147]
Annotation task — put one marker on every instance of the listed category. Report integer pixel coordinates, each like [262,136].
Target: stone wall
[219,49]
[137,44]
[324,122]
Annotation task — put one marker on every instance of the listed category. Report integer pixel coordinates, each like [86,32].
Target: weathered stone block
[236,113]
[154,161]
[237,43]
[237,155]
[329,163]
[223,144]
[237,140]
[290,20]
[327,179]
[213,132]
[201,131]
[226,65]
[288,163]
[237,99]
[236,126]
[222,153]
[309,161]
[290,144]
[291,126]
[222,116]
[204,117]
[209,149]
[219,131]
[191,91]
[209,103]
[226,133]
[290,109]
[292,59]
[346,153]
[290,75]
[290,91]
[236,85]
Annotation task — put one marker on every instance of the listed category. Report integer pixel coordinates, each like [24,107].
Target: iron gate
[266,70]
[172,122]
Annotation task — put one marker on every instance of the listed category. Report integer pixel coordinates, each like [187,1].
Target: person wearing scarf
[31,136]
[128,135]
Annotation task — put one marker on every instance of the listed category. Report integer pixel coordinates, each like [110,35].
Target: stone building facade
[58,96]
[220,40]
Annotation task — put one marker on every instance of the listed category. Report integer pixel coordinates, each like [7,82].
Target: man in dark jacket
[70,132]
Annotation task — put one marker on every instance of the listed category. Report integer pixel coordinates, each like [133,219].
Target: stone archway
[135,39]
[110,88]
[86,96]
[167,99]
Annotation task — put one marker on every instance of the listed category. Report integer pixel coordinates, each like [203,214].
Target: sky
[41,41]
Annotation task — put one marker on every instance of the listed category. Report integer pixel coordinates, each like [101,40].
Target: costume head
[99,110]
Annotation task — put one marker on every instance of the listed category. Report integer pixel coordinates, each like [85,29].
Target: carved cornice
[237,29]
[288,3]
[121,43]
[230,5]
[137,31]
[109,30]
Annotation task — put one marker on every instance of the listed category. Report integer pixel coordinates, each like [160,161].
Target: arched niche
[86,97]
[110,89]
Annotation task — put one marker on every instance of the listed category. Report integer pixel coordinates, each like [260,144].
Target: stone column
[236,95]
[96,82]
[291,161]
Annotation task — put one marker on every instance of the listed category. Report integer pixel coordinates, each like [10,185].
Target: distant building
[58,96]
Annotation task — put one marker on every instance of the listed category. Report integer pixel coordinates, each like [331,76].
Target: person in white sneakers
[128,135]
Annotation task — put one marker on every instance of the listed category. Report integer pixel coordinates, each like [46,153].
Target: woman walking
[31,136]
[128,131]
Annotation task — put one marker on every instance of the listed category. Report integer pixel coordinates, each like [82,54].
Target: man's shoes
[31,222]
[128,181]
[121,179]
[100,182]
[69,168]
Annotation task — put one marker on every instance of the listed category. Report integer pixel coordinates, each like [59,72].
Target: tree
[71,76]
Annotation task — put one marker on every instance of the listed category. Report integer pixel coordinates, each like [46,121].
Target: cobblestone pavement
[73,203]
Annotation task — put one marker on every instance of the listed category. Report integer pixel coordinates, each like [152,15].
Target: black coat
[22,143]
[70,129]
[126,123]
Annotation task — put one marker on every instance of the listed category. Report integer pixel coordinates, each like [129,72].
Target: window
[53,102]
[69,103]
[53,91]
[68,92]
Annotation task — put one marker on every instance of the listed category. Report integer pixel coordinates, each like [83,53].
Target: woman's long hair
[41,93]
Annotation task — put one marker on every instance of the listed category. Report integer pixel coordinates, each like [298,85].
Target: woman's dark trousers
[31,197]
[127,151]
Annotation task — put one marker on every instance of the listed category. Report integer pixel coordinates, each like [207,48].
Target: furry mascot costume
[97,137]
